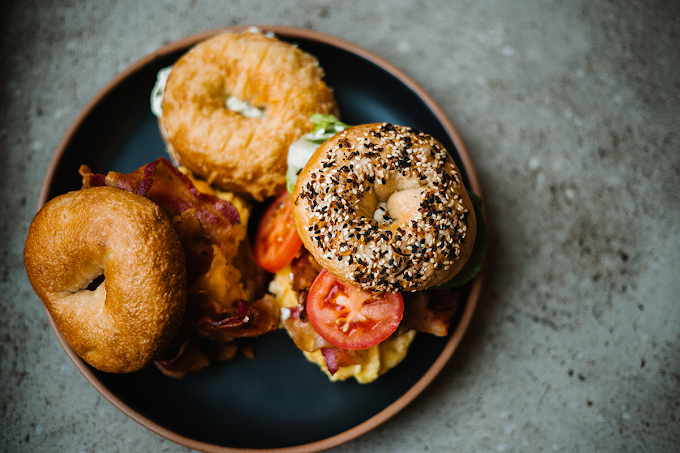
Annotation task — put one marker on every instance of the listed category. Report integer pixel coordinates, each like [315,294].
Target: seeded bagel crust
[384,207]
[129,319]
[228,149]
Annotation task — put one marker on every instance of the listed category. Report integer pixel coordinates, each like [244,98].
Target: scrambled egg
[379,358]
[281,289]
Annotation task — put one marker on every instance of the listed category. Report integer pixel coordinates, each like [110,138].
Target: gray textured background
[569,112]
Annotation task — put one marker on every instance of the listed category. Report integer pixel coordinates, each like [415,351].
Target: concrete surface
[569,111]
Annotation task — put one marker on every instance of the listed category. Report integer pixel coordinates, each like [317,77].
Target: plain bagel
[384,207]
[125,322]
[233,105]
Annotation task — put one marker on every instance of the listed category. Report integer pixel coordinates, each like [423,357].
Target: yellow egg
[377,359]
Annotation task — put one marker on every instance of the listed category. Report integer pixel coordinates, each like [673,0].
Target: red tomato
[349,317]
[277,241]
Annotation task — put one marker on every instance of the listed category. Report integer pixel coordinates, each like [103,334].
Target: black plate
[277,400]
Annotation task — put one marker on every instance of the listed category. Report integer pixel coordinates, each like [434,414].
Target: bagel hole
[244,107]
[94,284]
[381,215]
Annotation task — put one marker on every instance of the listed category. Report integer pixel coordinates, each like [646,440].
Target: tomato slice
[277,240]
[349,317]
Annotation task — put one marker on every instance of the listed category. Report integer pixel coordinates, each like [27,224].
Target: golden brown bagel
[229,149]
[384,207]
[129,319]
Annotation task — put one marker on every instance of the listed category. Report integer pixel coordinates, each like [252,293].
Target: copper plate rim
[288,33]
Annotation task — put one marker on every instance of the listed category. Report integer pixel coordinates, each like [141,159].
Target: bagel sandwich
[239,96]
[364,259]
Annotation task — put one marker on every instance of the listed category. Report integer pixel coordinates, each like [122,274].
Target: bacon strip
[173,191]
[189,358]
[430,311]
[336,358]
[241,317]
[305,269]
[331,360]
[250,320]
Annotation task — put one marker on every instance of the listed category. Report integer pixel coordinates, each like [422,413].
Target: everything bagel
[234,103]
[76,239]
[384,207]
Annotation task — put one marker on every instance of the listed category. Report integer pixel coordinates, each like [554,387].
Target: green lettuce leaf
[325,126]
[300,151]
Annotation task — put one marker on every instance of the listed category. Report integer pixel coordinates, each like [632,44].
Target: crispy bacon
[241,317]
[301,331]
[251,318]
[255,279]
[164,184]
[430,311]
[331,360]
[189,360]
[185,356]
[198,250]
[305,269]
[336,358]
[209,331]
